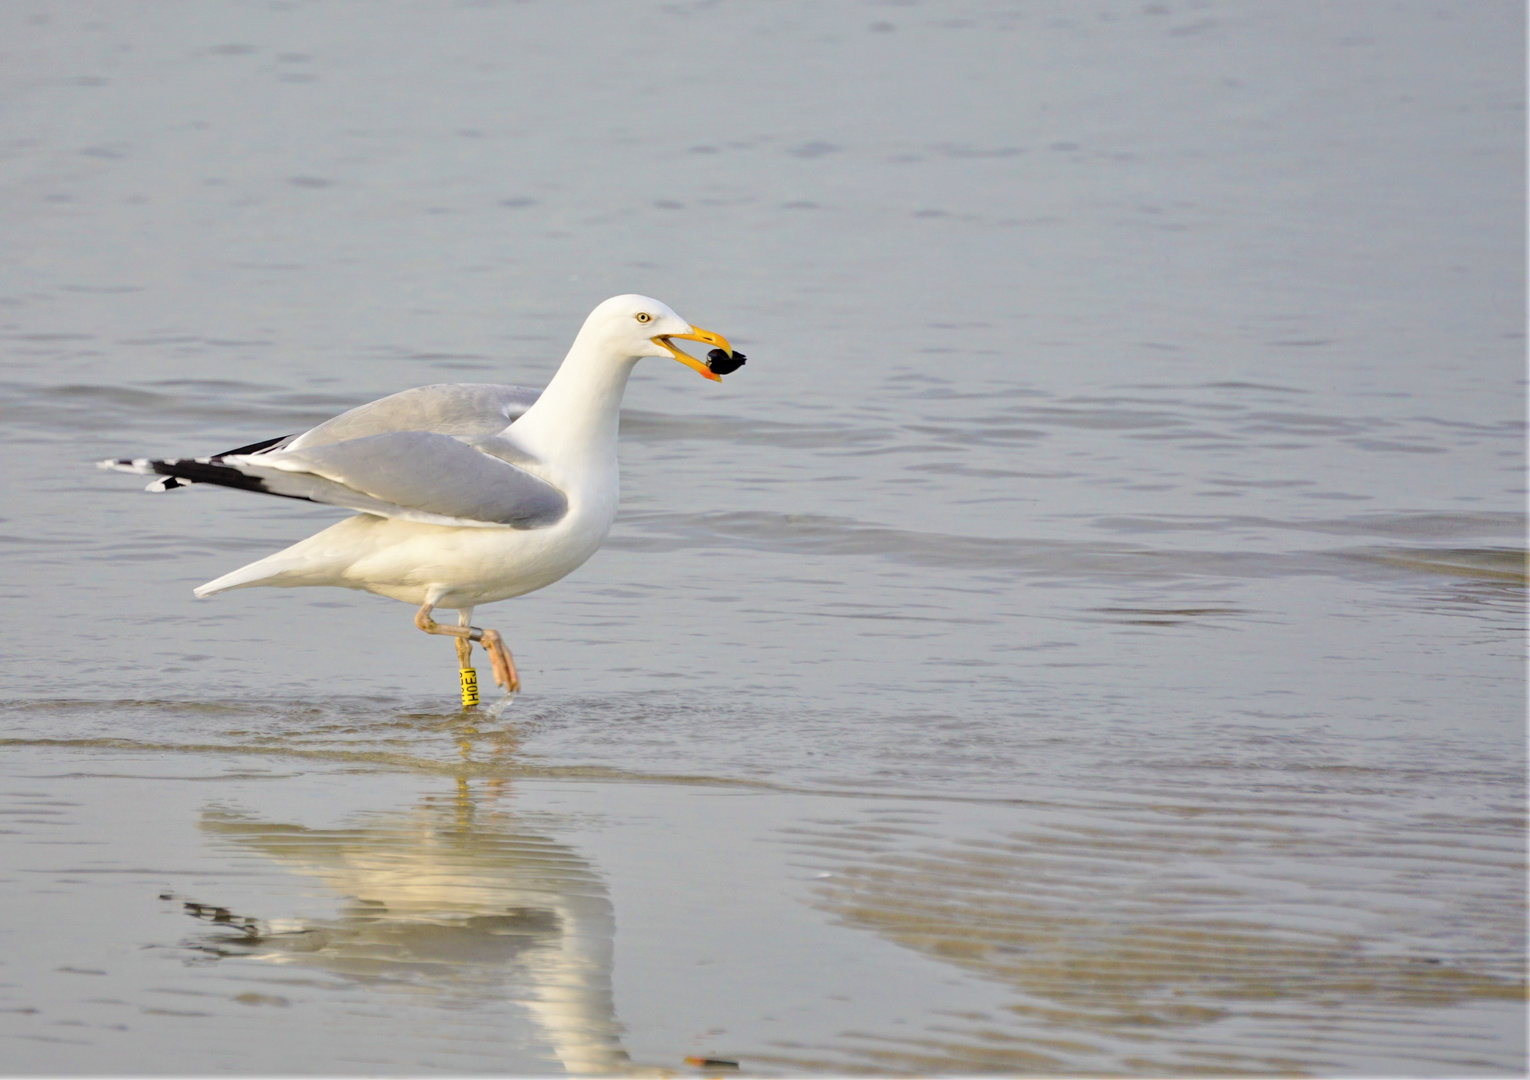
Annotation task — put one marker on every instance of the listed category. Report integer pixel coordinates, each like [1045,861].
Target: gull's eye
[643,316]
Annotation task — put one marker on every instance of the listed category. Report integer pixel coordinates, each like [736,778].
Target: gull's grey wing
[467,409]
[446,409]
[414,475]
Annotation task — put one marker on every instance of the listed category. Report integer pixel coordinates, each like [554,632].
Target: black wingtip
[252,448]
[205,472]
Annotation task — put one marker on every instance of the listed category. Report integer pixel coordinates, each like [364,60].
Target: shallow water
[1085,639]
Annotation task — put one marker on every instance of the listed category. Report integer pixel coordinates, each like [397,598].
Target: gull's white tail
[261,572]
[319,559]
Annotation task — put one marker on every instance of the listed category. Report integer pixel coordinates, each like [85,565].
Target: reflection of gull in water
[446,901]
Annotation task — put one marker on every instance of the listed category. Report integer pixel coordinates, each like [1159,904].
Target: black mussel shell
[720,363]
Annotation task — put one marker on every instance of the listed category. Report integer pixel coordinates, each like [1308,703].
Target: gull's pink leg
[499,657]
[464,645]
[501,662]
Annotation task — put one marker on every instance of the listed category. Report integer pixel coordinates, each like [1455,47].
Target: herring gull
[467,493]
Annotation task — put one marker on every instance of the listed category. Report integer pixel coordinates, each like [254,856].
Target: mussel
[720,363]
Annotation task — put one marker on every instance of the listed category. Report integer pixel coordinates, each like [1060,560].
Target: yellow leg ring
[469,688]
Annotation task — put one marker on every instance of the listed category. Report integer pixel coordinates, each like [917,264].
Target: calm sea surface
[1087,638]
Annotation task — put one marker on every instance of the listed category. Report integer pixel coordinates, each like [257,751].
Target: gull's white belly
[450,566]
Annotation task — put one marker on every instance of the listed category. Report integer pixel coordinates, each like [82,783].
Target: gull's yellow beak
[696,334]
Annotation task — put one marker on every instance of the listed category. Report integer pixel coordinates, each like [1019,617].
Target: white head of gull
[467,493]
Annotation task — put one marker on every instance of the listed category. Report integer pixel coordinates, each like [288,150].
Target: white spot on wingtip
[142,466]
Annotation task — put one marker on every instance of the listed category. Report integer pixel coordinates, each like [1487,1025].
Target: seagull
[466,493]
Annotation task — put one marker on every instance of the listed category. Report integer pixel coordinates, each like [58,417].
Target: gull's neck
[572,427]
